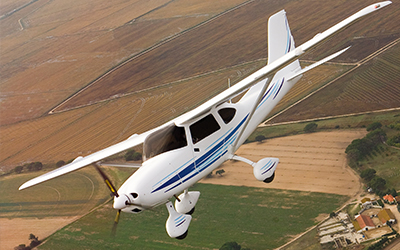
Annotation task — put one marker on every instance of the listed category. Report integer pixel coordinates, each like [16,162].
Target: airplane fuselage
[190,152]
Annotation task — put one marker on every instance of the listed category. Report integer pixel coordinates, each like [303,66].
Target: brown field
[64,136]
[50,50]
[309,162]
[371,86]
[14,232]
[210,47]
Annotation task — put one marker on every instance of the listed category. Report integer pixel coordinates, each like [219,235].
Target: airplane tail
[280,39]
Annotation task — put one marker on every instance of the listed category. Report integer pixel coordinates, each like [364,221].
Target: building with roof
[363,223]
[389,199]
[386,215]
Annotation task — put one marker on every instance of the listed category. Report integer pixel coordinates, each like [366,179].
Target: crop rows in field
[66,135]
[236,37]
[372,86]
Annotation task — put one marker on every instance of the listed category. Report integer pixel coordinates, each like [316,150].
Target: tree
[373,126]
[60,163]
[132,155]
[377,183]
[310,127]
[18,169]
[34,166]
[220,172]
[368,174]
[34,241]
[376,137]
[394,141]
[260,138]
[231,246]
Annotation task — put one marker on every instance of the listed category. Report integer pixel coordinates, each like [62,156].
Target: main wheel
[191,211]
[182,236]
[270,179]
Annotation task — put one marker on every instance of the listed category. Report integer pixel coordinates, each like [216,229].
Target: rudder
[280,39]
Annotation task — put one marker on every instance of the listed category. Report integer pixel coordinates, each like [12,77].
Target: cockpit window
[164,140]
[203,128]
[227,114]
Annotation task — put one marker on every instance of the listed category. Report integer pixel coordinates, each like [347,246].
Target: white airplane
[180,152]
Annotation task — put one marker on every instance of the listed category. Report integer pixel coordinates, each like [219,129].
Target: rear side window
[203,128]
[227,114]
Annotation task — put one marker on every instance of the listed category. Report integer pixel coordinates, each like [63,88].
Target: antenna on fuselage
[229,85]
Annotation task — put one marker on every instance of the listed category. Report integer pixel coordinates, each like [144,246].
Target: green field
[255,218]
[70,195]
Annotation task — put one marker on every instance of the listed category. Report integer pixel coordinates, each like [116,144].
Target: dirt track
[309,162]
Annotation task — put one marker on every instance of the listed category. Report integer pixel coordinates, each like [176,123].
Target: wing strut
[250,115]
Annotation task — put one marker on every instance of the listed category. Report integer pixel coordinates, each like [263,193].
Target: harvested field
[14,232]
[372,86]
[309,162]
[210,46]
[51,49]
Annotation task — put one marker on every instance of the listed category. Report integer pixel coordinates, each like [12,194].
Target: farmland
[228,213]
[371,86]
[44,209]
[139,64]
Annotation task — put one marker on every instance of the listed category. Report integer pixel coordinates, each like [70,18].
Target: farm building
[366,202]
[363,223]
[386,215]
[389,199]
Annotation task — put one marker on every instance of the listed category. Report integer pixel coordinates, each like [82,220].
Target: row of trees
[34,242]
[360,149]
[33,166]
[378,184]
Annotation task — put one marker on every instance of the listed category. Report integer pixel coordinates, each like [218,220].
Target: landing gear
[270,179]
[177,224]
[186,202]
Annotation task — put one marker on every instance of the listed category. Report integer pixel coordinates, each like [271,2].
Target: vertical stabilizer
[280,39]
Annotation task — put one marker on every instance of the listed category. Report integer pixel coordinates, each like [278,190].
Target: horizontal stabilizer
[317,64]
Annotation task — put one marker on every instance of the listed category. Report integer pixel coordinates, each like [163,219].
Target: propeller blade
[114,228]
[107,181]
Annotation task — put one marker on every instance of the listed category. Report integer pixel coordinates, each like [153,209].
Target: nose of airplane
[121,202]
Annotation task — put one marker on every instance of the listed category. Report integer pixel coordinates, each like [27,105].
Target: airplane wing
[81,162]
[276,65]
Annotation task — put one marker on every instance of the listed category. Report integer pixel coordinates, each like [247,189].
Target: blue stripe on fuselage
[203,161]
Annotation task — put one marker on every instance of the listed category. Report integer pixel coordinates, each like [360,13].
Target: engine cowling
[265,168]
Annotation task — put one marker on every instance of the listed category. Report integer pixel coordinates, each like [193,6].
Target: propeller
[113,193]
[107,181]
[114,228]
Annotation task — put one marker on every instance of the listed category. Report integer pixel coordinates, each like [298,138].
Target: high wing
[81,162]
[261,74]
[277,64]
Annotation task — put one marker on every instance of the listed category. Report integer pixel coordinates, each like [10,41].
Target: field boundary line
[145,51]
[360,63]
[327,117]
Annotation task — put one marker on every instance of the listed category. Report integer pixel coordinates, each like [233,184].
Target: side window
[203,128]
[164,140]
[227,114]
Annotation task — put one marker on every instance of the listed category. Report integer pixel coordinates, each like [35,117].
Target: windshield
[166,139]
